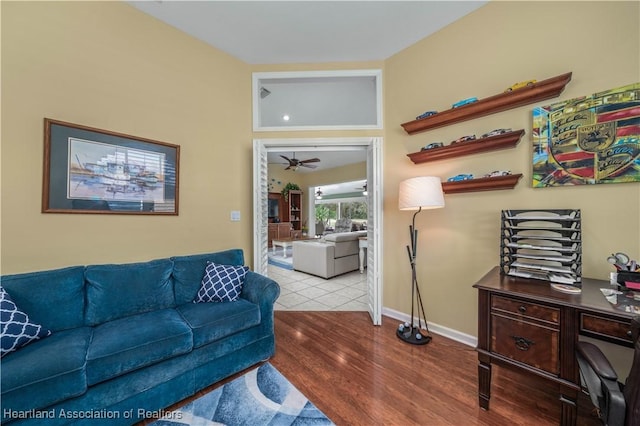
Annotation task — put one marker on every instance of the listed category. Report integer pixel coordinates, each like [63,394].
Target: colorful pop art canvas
[589,140]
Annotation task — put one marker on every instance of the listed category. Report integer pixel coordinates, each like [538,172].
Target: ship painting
[99,171]
[588,140]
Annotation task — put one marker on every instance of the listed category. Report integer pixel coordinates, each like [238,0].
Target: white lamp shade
[423,191]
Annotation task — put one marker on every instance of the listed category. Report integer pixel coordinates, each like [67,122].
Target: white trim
[303,128]
[292,75]
[260,208]
[374,230]
[441,330]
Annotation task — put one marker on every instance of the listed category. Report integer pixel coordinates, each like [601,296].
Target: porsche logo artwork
[588,140]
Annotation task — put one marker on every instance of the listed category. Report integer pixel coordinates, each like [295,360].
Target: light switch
[235,216]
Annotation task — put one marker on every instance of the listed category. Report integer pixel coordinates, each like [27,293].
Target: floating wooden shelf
[545,89]
[504,141]
[481,184]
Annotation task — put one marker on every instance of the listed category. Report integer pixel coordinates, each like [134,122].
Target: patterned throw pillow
[16,330]
[221,283]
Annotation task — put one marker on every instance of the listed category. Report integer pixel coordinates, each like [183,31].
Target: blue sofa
[127,341]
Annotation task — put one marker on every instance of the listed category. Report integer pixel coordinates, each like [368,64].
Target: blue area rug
[262,396]
[277,258]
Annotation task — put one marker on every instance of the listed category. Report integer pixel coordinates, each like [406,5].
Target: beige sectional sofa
[333,254]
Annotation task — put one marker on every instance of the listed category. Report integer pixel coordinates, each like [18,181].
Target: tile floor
[303,292]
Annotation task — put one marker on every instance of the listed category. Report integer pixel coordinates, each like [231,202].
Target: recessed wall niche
[317,100]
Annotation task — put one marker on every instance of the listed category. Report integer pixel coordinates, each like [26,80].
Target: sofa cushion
[213,321]
[189,270]
[46,371]
[16,330]
[117,291]
[53,298]
[221,283]
[133,342]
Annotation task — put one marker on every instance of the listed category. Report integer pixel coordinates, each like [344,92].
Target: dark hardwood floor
[360,374]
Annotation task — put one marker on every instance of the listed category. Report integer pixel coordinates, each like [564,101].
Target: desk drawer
[526,309]
[525,342]
[606,328]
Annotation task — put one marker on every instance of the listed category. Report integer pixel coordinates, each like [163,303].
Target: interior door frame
[260,194]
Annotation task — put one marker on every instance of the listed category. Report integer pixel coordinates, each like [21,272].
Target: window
[353,210]
[330,211]
[317,100]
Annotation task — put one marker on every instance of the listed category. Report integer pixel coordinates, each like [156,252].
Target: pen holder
[631,280]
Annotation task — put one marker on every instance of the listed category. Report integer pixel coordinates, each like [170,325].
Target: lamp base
[412,335]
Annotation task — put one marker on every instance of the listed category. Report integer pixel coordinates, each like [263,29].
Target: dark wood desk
[525,324]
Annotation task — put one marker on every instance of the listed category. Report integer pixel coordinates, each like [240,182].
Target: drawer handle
[629,334]
[522,309]
[523,343]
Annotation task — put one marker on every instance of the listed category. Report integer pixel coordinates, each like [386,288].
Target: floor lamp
[417,193]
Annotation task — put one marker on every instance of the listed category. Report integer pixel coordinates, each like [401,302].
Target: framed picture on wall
[88,170]
[588,140]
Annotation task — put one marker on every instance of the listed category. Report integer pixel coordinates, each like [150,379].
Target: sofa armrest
[314,257]
[259,289]
[345,236]
[263,291]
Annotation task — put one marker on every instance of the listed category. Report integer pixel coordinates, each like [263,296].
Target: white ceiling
[328,159]
[282,32]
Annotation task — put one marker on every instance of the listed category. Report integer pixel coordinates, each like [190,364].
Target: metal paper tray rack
[542,244]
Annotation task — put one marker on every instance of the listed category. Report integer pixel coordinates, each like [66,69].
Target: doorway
[373,147]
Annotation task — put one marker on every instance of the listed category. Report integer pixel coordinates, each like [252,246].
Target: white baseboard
[450,333]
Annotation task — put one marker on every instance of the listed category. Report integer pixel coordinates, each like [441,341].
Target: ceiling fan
[294,163]
[363,188]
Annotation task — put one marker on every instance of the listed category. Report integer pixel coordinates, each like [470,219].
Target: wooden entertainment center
[285,216]
[525,324]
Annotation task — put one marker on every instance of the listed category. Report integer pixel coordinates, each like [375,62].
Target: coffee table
[286,242]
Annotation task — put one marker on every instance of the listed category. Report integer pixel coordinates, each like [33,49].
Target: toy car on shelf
[520,85]
[496,173]
[460,177]
[431,146]
[464,102]
[426,114]
[464,139]
[496,132]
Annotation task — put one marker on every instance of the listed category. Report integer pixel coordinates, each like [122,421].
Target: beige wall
[107,65]
[480,55]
